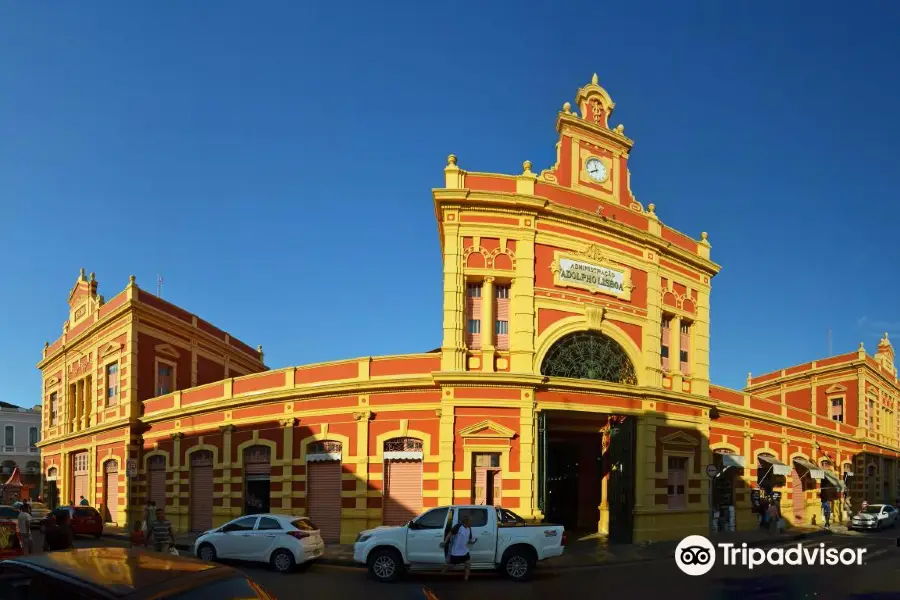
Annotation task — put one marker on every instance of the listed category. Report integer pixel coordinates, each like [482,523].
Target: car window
[479,516]
[86,512]
[245,524]
[433,519]
[304,525]
[232,588]
[268,523]
[508,517]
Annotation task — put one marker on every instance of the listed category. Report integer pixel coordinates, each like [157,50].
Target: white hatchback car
[284,541]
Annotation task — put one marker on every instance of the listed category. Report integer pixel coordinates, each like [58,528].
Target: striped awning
[814,471]
[835,481]
[776,466]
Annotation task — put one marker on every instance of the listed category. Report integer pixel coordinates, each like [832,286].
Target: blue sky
[274,161]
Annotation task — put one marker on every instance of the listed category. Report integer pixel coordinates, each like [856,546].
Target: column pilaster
[522,321]
[180,521]
[287,470]
[527,454]
[487,325]
[227,431]
[452,348]
[447,439]
[699,351]
[675,353]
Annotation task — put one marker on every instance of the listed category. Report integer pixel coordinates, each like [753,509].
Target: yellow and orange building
[572,383]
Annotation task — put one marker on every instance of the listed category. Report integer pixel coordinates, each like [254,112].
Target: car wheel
[517,565]
[385,565]
[206,552]
[283,561]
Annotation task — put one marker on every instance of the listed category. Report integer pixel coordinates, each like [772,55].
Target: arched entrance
[582,456]
[80,471]
[402,480]
[201,491]
[323,488]
[257,473]
[111,491]
[156,480]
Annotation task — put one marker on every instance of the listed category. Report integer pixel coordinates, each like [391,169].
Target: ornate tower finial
[594,79]
[81,273]
[93,276]
[131,279]
[451,160]
[526,168]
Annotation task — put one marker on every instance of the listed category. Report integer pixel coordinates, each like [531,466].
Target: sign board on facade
[711,471]
[604,279]
[131,467]
[591,270]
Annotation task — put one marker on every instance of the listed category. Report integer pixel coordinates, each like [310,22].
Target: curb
[345,562]
[339,562]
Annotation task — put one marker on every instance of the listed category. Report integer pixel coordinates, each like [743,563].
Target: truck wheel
[518,565]
[385,565]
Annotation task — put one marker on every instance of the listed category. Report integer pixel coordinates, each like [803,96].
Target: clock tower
[592,158]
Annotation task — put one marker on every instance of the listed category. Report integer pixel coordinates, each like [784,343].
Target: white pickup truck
[502,540]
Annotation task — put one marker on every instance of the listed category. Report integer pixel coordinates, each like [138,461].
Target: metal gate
[323,498]
[157,479]
[80,475]
[257,472]
[402,480]
[201,491]
[111,491]
[622,434]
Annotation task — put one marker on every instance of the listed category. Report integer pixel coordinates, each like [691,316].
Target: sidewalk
[584,552]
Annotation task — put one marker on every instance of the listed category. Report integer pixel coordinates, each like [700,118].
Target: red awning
[14,480]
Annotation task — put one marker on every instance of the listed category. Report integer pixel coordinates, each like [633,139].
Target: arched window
[589,355]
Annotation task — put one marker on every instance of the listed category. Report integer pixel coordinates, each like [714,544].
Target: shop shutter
[402,491]
[798,497]
[201,491]
[323,498]
[111,495]
[257,462]
[157,481]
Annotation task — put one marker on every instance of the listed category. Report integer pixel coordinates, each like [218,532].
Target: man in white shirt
[460,538]
[25,532]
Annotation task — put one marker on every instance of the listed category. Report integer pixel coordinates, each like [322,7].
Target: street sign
[711,470]
[131,467]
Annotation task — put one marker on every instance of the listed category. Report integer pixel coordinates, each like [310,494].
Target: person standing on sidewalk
[162,536]
[460,538]
[772,518]
[826,513]
[25,531]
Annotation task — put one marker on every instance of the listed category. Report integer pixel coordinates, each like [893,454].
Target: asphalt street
[879,575]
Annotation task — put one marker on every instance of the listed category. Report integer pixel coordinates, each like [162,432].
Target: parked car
[503,541]
[122,573]
[283,541]
[10,540]
[85,520]
[39,511]
[875,516]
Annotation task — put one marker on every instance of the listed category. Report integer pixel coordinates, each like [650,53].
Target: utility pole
[159,282]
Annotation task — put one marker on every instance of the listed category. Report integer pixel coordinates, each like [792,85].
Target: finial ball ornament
[704,235]
[451,160]
[132,279]
[526,165]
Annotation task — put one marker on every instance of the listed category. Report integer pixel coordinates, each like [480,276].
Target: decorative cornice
[177,435]
[227,429]
[288,422]
[365,415]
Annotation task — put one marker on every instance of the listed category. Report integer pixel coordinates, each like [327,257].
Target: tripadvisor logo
[696,555]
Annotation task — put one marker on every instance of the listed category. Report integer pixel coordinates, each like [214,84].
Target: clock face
[596,170]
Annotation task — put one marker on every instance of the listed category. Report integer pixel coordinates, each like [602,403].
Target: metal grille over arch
[156,479]
[201,491]
[589,355]
[257,470]
[323,488]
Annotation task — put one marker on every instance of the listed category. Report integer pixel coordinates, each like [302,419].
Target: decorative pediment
[110,348]
[51,381]
[680,438]
[837,388]
[167,350]
[487,429]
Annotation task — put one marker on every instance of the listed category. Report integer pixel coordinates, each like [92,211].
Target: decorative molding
[111,348]
[679,438]
[167,350]
[487,429]
[289,422]
[594,316]
[365,415]
[437,413]
[227,428]
[836,389]
[177,435]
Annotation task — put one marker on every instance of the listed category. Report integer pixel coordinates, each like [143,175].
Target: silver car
[875,516]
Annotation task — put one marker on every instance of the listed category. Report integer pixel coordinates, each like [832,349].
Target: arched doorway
[577,451]
[52,492]
[201,491]
[80,471]
[323,488]
[589,355]
[402,480]
[257,473]
[156,480]
[723,488]
[111,491]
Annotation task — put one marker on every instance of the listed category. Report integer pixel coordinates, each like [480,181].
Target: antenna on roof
[159,282]
[829,342]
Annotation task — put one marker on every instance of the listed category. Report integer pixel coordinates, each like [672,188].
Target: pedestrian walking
[826,513]
[773,517]
[460,538]
[138,539]
[149,517]
[24,519]
[162,536]
[84,502]
[763,512]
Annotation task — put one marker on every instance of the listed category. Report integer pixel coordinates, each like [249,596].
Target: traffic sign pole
[712,472]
